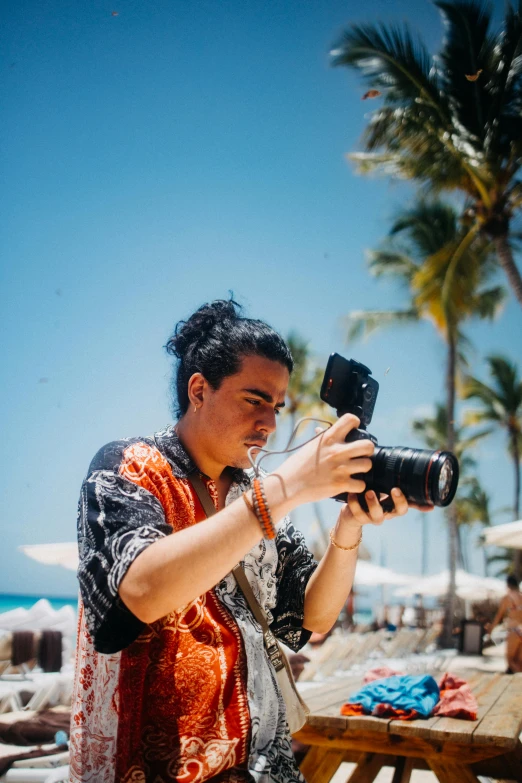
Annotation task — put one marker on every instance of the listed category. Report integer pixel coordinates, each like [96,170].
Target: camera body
[425,477]
[349,388]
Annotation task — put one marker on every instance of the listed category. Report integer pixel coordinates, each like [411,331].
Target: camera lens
[425,477]
[445,480]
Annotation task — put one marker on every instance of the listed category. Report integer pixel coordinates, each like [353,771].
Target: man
[172,680]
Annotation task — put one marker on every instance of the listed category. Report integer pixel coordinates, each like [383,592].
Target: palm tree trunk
[451,511]
[462,556]
[424,555]
[507,262]
[517,558]
[486,563]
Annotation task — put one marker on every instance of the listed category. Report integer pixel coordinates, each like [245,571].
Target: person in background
[510,610]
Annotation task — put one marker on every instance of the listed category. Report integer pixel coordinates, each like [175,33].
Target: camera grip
[387,504]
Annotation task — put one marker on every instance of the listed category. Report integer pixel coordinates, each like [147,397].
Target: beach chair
[343,652]
[365,654]
[329,650]
[36,775]
[10,702]
[428,643]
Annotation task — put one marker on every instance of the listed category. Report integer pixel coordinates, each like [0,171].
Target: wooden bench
[455,750]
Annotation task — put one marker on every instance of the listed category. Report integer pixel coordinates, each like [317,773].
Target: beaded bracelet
[262,510]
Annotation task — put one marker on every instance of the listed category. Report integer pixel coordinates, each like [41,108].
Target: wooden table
[455,750]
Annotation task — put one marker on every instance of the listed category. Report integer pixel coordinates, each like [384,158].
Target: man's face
[242,412]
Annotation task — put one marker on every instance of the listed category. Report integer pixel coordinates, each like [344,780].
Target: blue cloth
[402,692]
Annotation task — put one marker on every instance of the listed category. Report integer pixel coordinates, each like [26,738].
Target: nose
[267,423]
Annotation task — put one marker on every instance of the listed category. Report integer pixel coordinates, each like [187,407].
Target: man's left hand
[353,514]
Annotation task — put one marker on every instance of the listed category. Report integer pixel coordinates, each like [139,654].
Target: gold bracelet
[344,548]
[249,503]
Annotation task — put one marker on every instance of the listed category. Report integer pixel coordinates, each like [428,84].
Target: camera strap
[271,644]
[296,708]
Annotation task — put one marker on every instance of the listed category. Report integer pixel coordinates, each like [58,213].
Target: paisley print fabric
[191,697]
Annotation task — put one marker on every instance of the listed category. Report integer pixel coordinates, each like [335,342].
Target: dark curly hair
[512,582]
[214,340]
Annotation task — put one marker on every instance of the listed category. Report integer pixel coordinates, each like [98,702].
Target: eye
[254,402]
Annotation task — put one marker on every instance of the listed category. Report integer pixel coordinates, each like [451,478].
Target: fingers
[344,425]
[359,465]
[399,501]
[359,448]
[375,514]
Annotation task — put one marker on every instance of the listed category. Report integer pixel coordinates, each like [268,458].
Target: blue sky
[153,160]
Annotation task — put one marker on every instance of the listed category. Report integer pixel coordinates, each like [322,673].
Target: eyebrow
[264,396]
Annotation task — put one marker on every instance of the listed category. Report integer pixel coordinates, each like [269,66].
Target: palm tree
[452,122]
[501,404]
[446,276]
[470,499]
[303,399]
[305,382]
[473,508]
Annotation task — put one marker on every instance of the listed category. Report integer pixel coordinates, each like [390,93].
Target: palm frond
[433,431]
[391,60]
[474,417]
[429,225]
[388,262]
[504,119]
[475,389]
[489,303]
[507,382]
[466,52]
[305,381]
[362,323]
[413,144]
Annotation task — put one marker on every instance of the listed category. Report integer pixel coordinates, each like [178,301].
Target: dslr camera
[429,478]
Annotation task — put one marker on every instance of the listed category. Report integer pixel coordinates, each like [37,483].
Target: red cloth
[380,711]
[378,673]
[387,711]
[456,699]
[352,709]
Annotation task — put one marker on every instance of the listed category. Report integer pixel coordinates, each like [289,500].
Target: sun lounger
[341,653]
[35,775]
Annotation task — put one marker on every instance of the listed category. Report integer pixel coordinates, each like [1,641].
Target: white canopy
[508,535]
[371,575]
[64,554]
[469,586]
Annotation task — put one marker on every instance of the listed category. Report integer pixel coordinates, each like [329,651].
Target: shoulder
[112,455]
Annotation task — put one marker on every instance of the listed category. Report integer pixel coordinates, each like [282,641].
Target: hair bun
[188,333]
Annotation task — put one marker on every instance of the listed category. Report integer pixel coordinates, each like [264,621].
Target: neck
[194,443]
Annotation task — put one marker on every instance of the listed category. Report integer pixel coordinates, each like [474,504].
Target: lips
[257,444]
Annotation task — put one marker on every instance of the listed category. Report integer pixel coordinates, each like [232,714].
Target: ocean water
[8,602]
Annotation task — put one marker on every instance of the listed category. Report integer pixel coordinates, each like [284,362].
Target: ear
[196,389]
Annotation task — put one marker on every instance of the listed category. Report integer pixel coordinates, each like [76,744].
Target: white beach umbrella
[64,554]
[468,585]
[489,587]
[508,535]
[371,575]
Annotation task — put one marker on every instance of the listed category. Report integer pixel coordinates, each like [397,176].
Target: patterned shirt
[193,696]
